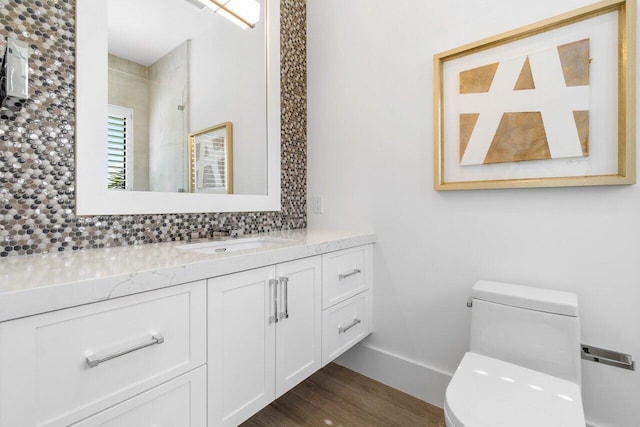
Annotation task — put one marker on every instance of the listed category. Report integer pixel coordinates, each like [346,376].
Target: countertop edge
[28,302]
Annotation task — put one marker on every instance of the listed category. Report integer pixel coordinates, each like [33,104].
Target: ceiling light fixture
[244,13]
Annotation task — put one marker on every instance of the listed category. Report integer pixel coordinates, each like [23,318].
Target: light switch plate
[317,204]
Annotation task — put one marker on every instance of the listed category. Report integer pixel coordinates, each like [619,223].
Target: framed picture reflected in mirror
[211,160]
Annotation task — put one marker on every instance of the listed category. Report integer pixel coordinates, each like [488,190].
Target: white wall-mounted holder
[14,74]
[608,357]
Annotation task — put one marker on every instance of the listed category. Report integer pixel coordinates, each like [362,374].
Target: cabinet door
[298,331]
[179,402]
[241,345]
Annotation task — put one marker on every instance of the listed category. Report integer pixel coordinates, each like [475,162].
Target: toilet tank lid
[547,300]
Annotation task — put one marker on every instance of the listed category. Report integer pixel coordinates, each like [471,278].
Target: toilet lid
[487,392]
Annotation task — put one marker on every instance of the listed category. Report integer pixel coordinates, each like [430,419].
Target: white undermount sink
[234,245]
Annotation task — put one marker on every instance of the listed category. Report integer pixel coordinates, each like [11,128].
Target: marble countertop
[39,283]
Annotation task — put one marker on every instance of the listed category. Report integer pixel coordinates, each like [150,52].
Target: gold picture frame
[211,160]
[461,93]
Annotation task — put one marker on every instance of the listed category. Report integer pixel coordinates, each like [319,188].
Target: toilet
[523,366]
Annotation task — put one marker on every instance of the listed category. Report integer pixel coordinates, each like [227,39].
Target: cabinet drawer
[344,274]
[45,367]
[344,325]
[179,402]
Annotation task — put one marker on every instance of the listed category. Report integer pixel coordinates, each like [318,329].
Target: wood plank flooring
[336,396]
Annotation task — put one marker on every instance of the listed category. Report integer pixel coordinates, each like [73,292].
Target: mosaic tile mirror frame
[37,166]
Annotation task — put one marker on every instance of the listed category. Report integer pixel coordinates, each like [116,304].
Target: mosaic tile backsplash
[37,166]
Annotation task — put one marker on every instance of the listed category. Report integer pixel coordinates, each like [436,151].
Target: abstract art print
[545,105]
[501,118]
[211,160]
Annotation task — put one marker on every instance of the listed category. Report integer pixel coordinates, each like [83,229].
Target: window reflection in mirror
[176,67]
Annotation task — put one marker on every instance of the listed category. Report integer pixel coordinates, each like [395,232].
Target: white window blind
[119,148]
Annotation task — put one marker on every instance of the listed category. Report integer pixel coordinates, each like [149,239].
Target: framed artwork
[211,160]
[547,105]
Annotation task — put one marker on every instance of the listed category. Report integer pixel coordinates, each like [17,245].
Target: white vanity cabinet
[61,367]
[264,336]
[204,341]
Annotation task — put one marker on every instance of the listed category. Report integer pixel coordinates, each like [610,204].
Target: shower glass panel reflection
[157,96]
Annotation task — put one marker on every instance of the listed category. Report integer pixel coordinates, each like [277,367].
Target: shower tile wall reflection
[37,167]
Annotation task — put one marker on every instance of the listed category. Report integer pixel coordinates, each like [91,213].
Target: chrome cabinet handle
[285,297]
[273,306]
[94,360]
[351,273]
[343,329]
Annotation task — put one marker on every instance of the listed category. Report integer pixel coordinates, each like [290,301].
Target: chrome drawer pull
[351,273]
[343,329]
[94,360]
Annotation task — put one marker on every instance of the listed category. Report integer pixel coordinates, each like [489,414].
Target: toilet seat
[487,392]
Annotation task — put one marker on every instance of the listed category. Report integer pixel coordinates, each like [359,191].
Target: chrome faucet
[213,234]
[221,234]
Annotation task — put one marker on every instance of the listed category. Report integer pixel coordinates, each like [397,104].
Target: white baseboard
[398,372]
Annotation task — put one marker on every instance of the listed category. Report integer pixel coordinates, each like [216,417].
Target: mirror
[195,86]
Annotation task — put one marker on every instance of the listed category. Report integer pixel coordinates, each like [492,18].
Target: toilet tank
[531,327]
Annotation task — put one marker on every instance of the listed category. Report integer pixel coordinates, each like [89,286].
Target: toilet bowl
[523,367]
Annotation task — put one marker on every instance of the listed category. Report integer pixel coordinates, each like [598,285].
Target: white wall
[370,156]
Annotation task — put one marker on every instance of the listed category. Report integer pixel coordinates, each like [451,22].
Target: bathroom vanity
[175,334]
